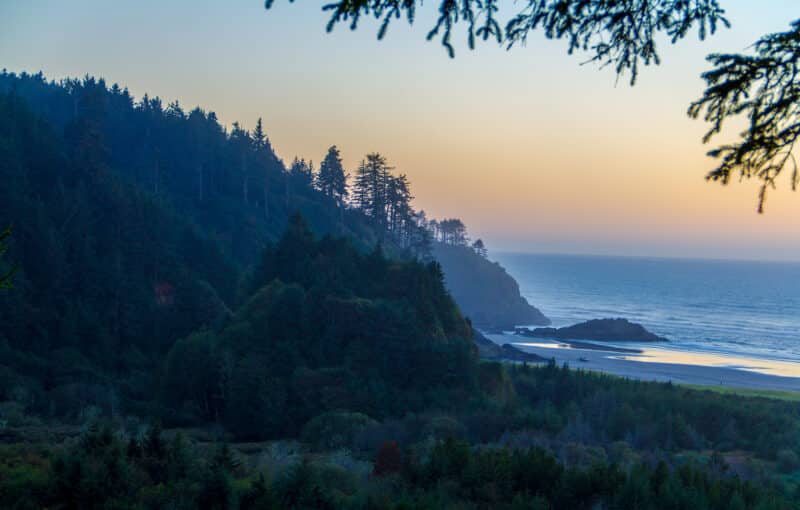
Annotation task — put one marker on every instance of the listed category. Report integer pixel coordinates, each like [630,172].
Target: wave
[742,308]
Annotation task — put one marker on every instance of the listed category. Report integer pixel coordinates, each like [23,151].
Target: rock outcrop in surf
[601,330]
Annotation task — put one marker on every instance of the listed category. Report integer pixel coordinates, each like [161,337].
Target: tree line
[137,223]
[230,180]
[132,303]
[761,86]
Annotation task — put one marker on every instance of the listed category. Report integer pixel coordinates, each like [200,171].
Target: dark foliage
[623,33]
[5,278]
[134,225]
[602,409]
[108,276]
[230,184]
[327,328]
[121,308]
[618,33]
[104,470]
[765,88]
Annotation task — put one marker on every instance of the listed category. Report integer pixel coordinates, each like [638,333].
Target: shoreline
[610,361]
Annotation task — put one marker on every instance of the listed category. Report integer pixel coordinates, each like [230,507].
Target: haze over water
[737,309]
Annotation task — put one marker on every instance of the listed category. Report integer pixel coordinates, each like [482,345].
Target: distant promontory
[484,291]
[603,330]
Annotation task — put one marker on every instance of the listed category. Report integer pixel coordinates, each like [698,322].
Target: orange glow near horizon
[532,150]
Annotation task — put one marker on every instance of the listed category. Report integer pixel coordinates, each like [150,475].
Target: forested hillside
[230,184]
[327,329]
[123,305]
[135,224]
[227,185]
[163,280]
[108,277]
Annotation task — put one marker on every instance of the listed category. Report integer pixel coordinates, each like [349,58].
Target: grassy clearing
[789,396]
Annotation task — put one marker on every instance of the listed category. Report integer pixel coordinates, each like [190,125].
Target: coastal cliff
[484,291]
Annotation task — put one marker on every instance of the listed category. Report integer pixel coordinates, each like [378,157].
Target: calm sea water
[748,309]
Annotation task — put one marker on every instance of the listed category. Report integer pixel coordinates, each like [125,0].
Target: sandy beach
[693,368]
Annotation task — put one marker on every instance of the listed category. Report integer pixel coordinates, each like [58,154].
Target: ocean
[725,309]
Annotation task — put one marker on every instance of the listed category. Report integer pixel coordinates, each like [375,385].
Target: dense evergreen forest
[194,324]
[530,438]
[173,209]
[326,329]
[135,224]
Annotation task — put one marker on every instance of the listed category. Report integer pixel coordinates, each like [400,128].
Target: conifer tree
[259,138]
[618,33]
[480,248]
[332,179]
[241,138]
[302,171]
[370,188]
[453,231]
[760,85]
[261,147]
[5,278]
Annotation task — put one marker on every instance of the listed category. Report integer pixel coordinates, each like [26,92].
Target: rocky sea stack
[603,330]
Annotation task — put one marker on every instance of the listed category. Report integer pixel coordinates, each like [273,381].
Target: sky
[533,150]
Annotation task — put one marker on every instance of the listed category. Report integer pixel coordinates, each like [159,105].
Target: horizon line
[644,256]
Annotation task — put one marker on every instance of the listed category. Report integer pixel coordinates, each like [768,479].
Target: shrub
[444,427]
[788,461]
[335,430]
[389,459]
